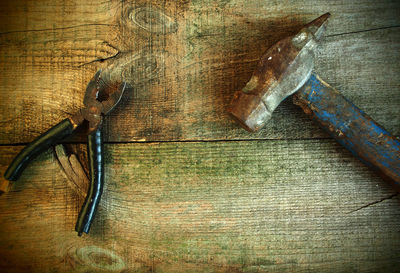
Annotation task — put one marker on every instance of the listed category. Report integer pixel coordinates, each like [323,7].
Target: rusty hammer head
[281,71]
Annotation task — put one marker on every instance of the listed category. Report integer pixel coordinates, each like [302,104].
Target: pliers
[100,98]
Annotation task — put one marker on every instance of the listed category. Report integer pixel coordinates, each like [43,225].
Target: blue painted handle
[351,127]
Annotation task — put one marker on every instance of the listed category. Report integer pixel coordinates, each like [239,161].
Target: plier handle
[94,111]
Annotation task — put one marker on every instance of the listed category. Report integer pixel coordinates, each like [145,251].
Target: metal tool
[287,67]
[93,112]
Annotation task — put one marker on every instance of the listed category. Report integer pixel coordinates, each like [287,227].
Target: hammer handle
[351,127]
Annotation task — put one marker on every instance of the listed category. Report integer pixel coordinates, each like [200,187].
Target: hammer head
[281,71]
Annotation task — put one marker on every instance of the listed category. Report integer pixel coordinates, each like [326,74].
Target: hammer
[286,69]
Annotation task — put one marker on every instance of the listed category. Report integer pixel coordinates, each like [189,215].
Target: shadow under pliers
[94,111]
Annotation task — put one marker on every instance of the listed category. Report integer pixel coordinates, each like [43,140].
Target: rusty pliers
[100,98]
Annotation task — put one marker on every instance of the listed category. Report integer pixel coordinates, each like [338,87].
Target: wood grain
[199,194]
[185,65]
[216,206]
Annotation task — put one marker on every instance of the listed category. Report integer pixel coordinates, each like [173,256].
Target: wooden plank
[237,206]
[185,65]
[26,16]
[351,17]
[294,205]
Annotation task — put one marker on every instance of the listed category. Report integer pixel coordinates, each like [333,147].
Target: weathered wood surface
[274,206]
[185,66]
[215,199]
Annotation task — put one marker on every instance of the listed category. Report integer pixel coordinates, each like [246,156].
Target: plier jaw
[100,98]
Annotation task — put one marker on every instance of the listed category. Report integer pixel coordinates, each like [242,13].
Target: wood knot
[150,19]
[139,67]
[96,257]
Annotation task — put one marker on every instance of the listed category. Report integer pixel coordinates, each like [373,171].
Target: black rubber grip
[96,169]
[33,149]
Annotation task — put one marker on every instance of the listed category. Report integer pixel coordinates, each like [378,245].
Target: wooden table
[186,189]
